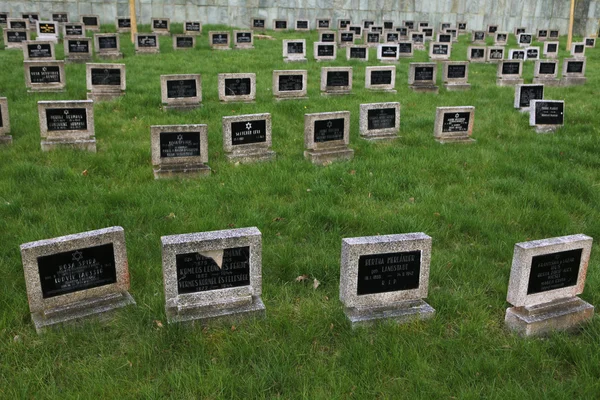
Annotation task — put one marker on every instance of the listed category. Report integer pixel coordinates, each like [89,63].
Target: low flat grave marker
[546,115]
[179,150]
[5,138]
[357,52]
[105,81]
[454,124]
[551,49]
[147,43]
[73,30]
[91,22]
[590,42]
[193,28]
[258,24]
[388,53]
[517,54]
[67,123]
[336,80]
[546,72]
[509,73]
[501,38]
[294,50]
[476,54]
[219,40]
[439,51]
[379,121]
[478,37]
[302,25]
[456,75]
[532,53]
[78,50]
[280,25]
[578,50]
[381,78]
[422,77]
[45,76]
[290,84]
[47,31]
[123,24]
[573,72]
[161,26]
[237,87]
[247,138]
[34,50]
[184,42]
[76,276]
[181,92]
[243,40]
[346,38]
[323,24]
[545,279]
[405,49]
[108,46]
[324,51]
[14,38]
[495,54]
[524,39]
[385,277]
[326,137]
[525,93]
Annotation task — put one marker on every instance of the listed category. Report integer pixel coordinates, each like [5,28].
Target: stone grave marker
[47,31]
[161,26]
[517,54]
[326,137]
[453,33]
[5,138]
[444,38]
[327,36]
[324,51]
[546,115]
[34,50]
[105,81]
[519,29]
[302,25]
[445,25]
[551,49]
[439,51]
[345,38]
[554,34]
[422,77]
[495,54]
[476,54]
[381,78]
[410,25]
[181,92]
[179,150]
[388,53]
[91,22]
[590,42]
[578,49]
[323,24]
[78,50]
[219,40]
[492,29]
[456,75]
[18,23]
[525,93]
[108,46]
[388,25]
[123,24]
[357,52]
[501,39]
[193,28]
[290,84]
[573,72]
[14,38]
[542,34]
[478,37]
[184,42]
[243,40]
[67,123]
[147,43]
[366,23]
[357,29]
[4,19]
[428,32]
[239,87]
[509,73]
[45,76]
[378,29]
[60,17]
[372,39]
[385,277]
[405,49]
[258,24]
[343,23]
[532,53]
[545,279]
[462,27]
[294,50]
[247,138]
[76,276]
[403,32]
[73,30]
[280,25]
[379,121]
[524,39]
[33,18]
[454,124]
[336,80]
[423,24]
[546,72]
[213,275]
[392,37]
[418,39]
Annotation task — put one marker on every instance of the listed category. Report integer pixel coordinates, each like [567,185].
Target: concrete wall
[532,14]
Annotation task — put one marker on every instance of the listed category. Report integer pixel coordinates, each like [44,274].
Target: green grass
[475,201]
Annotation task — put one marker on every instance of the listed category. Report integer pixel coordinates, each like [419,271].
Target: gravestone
[5,138]
[478,37]
[573,72]
[545,279]
[193,28]
[476,54]
[532,53]
[213,275]
[366,23]
[551,49]
[14,38]
[18,23]
[326,137]
[453,33]
[219,40]
[34,50]
[519,29]
[381,78]
[590,42]
[428,33]
[68,124]
[542,35]
[78,50]
[324,51]
[501,38]
[108,46]
[243,40]
[445,25]
[418,40]
[184,42]
[346,38]
[423,24]
[379,121]
[358,52]
[456,75]
[179,150]
[45,76]
[181,92]
[343,23]
[280,25]
[509,73]
[405,49]
[546,115]
[454,124]
[327,36]
[147,43]
[247,138]
[357,29]
[525,93]
[410,25]
[554,34]
[336,80]
[76,276]
[60,17]
[524,39]
[378,29]
[73,30]
[388,25]
[372,39]
[439,51]
[4,19]
[492,29]
[161,26]
[91,22]
[33,18]
[462,27]
[444,38]
[294,50]
[546,72]
[517,54]
[237,88]
[578,50]
[323,24]
[388,53]
[422,77]
[494,54]
[105,82]
[123,24]
[391,37]
[47,31]
[258,24]
[385,277]
[302,25]
[290,84]
[403,32]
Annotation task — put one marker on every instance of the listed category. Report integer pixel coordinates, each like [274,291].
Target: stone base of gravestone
[47,38]
[573,81]
[448,140]
[78,59]
[181,107]
[45,90]
[117,55]
[78,144]
[457,86]
[252,307]
[5,139]
[508,82]
[188,171]
[336,93]
[251,157]
[278,98]
[425,88]
[331,154]
[559,315]
[105,95]
[294,59]
[547,81]
[401,312]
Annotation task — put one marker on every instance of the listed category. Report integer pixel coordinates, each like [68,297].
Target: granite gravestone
[123,24]
[525,93]
[376,28]
[501,39]
[67,124]
[418,40]
[444,38]
[326,137]
[478,37]
[385,277]
[546,115]
[18,23]
[73,30]
[509,73]
[76,276]
[388,25]
[294,50]
[367,23]
[32,19]
[428,33]
[545,279]
[105,81]
[379,121]
[578,50]
[517,54]
[193,28]
[147,43]
[4,19]
[439,51]
[532,53]
[327,36]
[357,29]
[573,72]
[492,29]
[14,38]
[258,24]
[405,49]
[454,124]
[590,42]
[47,31]
[280,25]
[181,92]
[60,17]
[402,32]
[290,84]
[161,26]
[445,25]
[213,275]
[243,40]
[323,24]
[38,51]
[462,27]
[372,39]
[5,138]
[456,75]
[346,38]
[45,76]
[381,78]
[454,34]
[358,52]
[494,54]
[476,54]
[179,150]
[422,77]
[302,25]
[391,37]
[91,22]
[219,40]
[184,42]
[546,72]
[336,80]
[388,53]
[324,51]
[247,138]
[237,88]
[78,50]
[554,34]
[410,25]
[343,23]
[524,39]
[108,46]
[542,34]
[518,30]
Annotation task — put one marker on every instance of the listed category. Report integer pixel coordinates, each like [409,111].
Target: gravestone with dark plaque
[78,50]
[545,279]
[428,32]
[478,37]
[454,34]
[179,150]
[501,39]
[45,76]
[379,121]
[76,276]
[454,124]
[410,25]
[445,25]
[5,138]
[509,73]
[456,75]
[181,92]
[357,52]
[184,42]
[290,84]
[546,72]
[123,24]
[444,38]
[47,31]
[542,35]
[495,54]
[108,46]
[258,24]
[161,26]
[280,25]
[492,29]
[67,124]
[388,25]
[324,51]
[524,39]
[573,72]
[578,50]
[18,23]
[590,42]
[476,54]
[247,138]
[517,54]
[372,39]
[519,29]
[388,53]
[294,50]
[14,38]
[345,38]
[302,25]
[385,278]
[73,30]
[381,78]
[326,137]
[367,23]
[32,18]
[554,34]
[4,19]
[357,29]
[418,40]
[38,51]
[343,23]
[376,28]
[91,22]
[405,49]
[439,51]
[336,80]
[525,93]
[219,40]
[546,115]
[391,36]
[422,77]
[105,81]
[147,43]
[237,87]
[213,275]
[532,53]
[423,24]
[402,32]
[323,24]
[243,40]
[193,28]
[327,36]
[462,27]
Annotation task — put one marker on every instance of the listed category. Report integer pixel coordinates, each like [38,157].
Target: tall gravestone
[67,124]
[326,137]
[179,150]
[5,138]
[181,91]
[247,138]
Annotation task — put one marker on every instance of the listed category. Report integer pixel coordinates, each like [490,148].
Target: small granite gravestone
[60,17]
[45,76]
[280,25]
[501,38]
[336,80]
[366,23]
[462,27]
[388,25]
[439,51]
[47,31]
[445,25]
[495,54]
[123,24]
[294,50]
[32,18]
[181,92]
[444,38]
[410,25]
[385,277]
[219,40]
[418,40]
[554,34]
[578,50]
[147,43]
[519,29]
[247,138]
[378,29]
[422,77]
[590,42]
[302,25]
[108,46]
[326,137]
[546,72]
[478,37]
[573,72]
[423,24]
[76,276]
[345,38]
[524,39]
[372,39]
[67,124]
[525,93]
[105,81]
[243,40]
[551,49]
[343,23]
[18,23]
[509,73]
[357,29]
[258,24]
[184,42]
[237,88]
[403,32]
[545,279]
[454,124]
[73,30]
[179,150]
[323,24]
[327,36]
[193,28]
[517,54]
[388,53]
[161,26]
[14,38]
[324,51]
[213,275]
[428,32]
[456,75]
[476,54]
[542,34]
[532,53]
[405,49]
[39,51]
[290,84]
[381,78]
[454,34]
[358,52]
[379,121]
[4,19]
[5,138]
[391,36]
[546,115]
[91,22]
[492,29]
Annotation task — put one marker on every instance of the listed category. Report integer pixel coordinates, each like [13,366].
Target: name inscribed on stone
[181,88]
[290,83]
[389,272]
[78,46]
[423,73]
[382,118]
[456,122]
[66,119]
[338,78]
[179,144]
[328,130]
[44,74]
[381,77]
[237,87]
[106,76]
[248,132]
[554,271]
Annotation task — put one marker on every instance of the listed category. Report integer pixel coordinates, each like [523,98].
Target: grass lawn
[476,201]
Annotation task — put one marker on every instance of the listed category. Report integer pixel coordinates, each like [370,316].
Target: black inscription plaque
[356,29]
[90,21]
[457,71]
[519,31]
[237,87]
[440,49]
[444,38]
[549,113]
[388,272]
[147,41]
[525,39]
[323,23]
[392,37]
[181,88]
[377,29]
[553,34]
[511,68]
[477,53]
[184,42]
[347,37]
[66,119]
[325,50]
[328,129]
[74,30]
[497,54]
[16,37]
[446,26]
[529,93]
[388,25]
[280,24]
[338,78]
[358,52]
[39,50]
[423,73]
[3,18]
[554,271]
[590,42]
[492,28]
[462,26]
[107,42]
[161,24]
[578,48]
[106,76]
[258,23]
[428,32]
[575,67]
[381,118]
[327,37]
[179,144]
[124,22]
[78,46]
[543,33]
[248,132]
[532,53]
[389,52]
[290,83]
[295,48]
[243,37]
[381,77]
[456,122]
[198,273]
[479,36]
[518,55]
[405,47]
[73,271]
[402,31]
[418,38]
[547,68]
[367,24]
[372,37]
[49,74]
[409,24]
[1,120]
[344,23]
[220,38]
[18,25]
[423,24]
[47,28]
[192,26]
[302,24]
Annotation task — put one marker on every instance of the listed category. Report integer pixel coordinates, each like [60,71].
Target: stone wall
[532,14]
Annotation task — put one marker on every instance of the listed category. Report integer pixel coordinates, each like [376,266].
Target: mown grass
[475,201]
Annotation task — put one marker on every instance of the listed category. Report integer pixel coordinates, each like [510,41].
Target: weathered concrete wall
[478,13]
